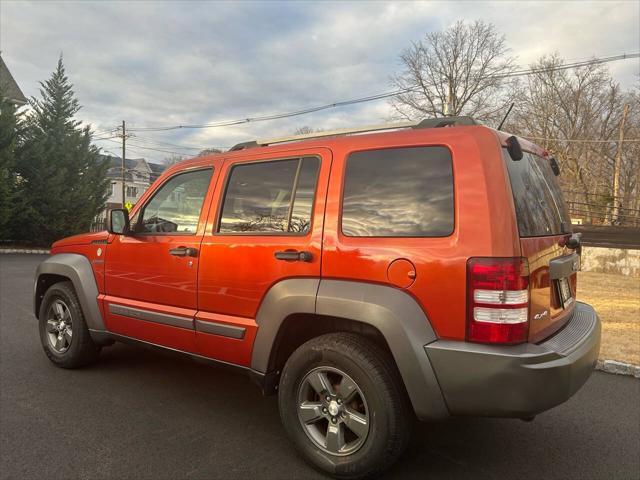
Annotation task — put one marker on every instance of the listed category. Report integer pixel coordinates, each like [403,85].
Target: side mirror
[118,221]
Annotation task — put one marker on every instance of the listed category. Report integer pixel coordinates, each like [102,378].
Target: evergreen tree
[62,178]
[8,144]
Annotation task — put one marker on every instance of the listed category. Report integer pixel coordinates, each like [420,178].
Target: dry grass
[616,298]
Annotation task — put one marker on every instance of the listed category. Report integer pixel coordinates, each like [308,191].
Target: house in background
[138,177]
[11,88]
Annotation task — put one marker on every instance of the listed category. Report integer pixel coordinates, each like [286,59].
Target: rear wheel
[64,334]
[343,404]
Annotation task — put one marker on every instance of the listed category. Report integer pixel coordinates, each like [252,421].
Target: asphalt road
[141,414]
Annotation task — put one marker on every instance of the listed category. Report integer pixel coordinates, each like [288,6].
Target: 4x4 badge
[538,316]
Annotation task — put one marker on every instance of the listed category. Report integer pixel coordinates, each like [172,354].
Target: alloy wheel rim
[59,326]
[333,411]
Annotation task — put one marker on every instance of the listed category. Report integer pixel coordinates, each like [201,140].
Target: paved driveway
[141,414]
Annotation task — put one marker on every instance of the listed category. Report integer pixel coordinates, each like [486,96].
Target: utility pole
[617,166]
[448,106]
[124,141]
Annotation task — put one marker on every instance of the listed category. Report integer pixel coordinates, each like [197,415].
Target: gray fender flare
[76,268]
[285,298]
[392,311]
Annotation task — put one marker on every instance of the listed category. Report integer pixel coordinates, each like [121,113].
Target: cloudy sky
[164,63]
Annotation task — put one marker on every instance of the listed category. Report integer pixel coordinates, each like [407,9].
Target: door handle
[294,256]
[184,252]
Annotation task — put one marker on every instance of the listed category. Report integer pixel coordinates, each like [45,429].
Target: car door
[266,226]
[151,274]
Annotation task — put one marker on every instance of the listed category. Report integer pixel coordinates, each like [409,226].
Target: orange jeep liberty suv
[365,276]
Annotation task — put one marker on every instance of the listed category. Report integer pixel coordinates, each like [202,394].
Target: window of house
[176,206]
[132,191]
[270,197]
[398,192]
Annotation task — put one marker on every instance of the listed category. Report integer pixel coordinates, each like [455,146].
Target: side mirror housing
[118,221]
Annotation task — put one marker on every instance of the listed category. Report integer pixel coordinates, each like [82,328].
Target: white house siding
[138,174]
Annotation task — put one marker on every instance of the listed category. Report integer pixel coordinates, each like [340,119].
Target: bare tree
[458,71]
[305,130]
[209,151]
[172,160]
[576,115]
[630,168]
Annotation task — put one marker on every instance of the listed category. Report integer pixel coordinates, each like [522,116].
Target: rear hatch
[544,226]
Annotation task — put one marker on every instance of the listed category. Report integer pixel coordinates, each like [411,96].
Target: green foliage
[8,143]
[61,178]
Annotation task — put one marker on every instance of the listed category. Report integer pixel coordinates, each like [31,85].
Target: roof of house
[12,90]
[115,168]
[156,168]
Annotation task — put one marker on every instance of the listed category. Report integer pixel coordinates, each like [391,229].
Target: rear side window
[540,206]
[398,192]
[270,197]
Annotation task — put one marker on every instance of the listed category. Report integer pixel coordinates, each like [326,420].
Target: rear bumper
[521,380]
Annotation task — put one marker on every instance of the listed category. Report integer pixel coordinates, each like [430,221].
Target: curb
[618,368]
[38,251]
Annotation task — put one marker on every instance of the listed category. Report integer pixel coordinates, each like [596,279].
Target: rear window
[398,192]
[540,206]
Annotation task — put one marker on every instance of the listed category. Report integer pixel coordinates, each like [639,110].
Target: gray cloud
[160,63]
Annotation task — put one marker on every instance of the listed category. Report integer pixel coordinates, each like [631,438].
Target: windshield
[540,206]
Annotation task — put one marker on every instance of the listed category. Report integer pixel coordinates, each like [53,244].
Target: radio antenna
[506,115]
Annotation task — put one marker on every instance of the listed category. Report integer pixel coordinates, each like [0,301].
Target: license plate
[564,289]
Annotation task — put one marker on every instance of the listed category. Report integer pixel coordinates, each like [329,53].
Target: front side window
[398,192]
[270,197]
[176,206]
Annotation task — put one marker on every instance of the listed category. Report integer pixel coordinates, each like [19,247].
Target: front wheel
[64,334]
[343,404]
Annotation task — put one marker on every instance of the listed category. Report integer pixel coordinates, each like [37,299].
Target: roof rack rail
[244,145]
[446,122]
[426,123]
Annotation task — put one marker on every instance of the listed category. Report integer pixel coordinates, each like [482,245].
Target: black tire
[81,350]
[375,375]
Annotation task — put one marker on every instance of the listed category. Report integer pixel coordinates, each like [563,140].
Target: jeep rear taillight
[497,300]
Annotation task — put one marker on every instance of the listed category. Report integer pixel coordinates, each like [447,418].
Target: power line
[276,116]
[153,140]
[137,147]
[160,150]
[105,138]
[129,148]
[568,66]
[139,152]
[102,132]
